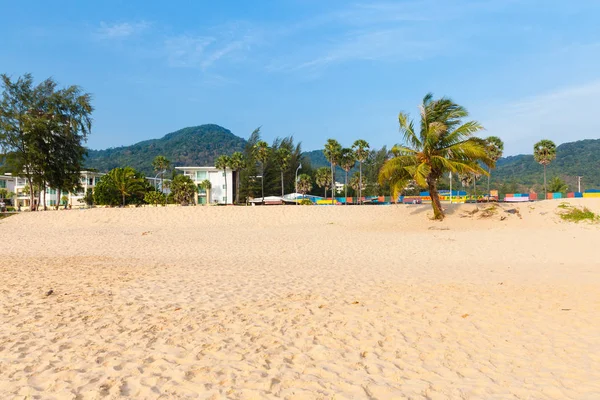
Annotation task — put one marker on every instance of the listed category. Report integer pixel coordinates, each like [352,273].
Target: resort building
[7,182]
[219,181]
[88,180]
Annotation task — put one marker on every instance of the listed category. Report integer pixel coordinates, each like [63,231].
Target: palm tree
[323,179]
[207,186]
[544,152]
[361,152]
[261,153]
[347,162]
[237,162]
[304,184]
[444,143]
[495,148]
[283,157]
[557,185]
[355,182]
[332,153]
[161,164]
[223,162]
[127,182]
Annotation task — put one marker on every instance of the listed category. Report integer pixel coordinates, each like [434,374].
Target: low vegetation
[575,214]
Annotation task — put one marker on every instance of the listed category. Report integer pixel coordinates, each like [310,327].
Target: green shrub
[574,214]
[305,202]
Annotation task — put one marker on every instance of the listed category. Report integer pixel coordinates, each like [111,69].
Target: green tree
[248,184]
[223,162]
[206,186]
[283,156]
[106,193]
[304,184]
[544,152]
[494,147]
[262,152]
[443,144]
[42,129]
[332,152]
[557,185]
[128,182]
[347,162]
[161,164]
[183,190]
[237,162]
[361,152]
[355,182]
[155,197]
[88,199]
[323,179]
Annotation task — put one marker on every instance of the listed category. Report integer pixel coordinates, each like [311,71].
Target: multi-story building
[222,184]
[7,182]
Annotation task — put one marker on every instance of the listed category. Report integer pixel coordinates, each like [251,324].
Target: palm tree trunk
[282,192]
[332,184]
[545,189]
[237,186]
[438,212]
[488,188]
[123,195]
[225,174]
[360,182]
[325,195]
[475,187]
[45,197]
[346,189]
[262,183]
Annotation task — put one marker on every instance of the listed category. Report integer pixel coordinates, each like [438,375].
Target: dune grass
[576,214]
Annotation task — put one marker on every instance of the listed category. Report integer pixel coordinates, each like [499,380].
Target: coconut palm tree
[161,164]
[323,179]
[494,147]
[444,143]
[262,152]
[237,162]
[347,162]
[304,184]
[206,186]
[544,152]
[361,152]
[127,182]
[283,155]
[332,153]
[355,182]
[223,163]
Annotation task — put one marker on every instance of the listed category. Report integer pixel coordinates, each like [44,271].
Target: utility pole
[579,183]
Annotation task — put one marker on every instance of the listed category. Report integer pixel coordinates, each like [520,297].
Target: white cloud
[187,51]
[564,115]
[121,30]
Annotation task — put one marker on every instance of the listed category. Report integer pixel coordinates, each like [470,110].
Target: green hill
[198,145]
[581,158]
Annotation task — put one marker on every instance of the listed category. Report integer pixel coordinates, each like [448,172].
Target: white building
[7,182]
[88,180]
[219,181]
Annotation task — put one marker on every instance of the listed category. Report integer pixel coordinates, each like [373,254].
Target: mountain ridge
[202,144]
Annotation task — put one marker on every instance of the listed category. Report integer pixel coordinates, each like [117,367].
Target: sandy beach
[296,302]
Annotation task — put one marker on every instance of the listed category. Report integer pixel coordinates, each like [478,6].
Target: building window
[201,175]
[223,186]
[2,184]
[223,173]
[224,199]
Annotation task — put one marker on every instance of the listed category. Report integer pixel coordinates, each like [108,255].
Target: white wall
[217,181]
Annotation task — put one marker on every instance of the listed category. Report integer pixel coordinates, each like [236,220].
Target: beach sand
[297,302]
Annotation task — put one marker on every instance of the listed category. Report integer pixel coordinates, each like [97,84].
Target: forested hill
[195,146]
[201,145]
[581,158]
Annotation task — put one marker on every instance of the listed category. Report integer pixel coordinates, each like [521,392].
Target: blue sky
[316,69]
